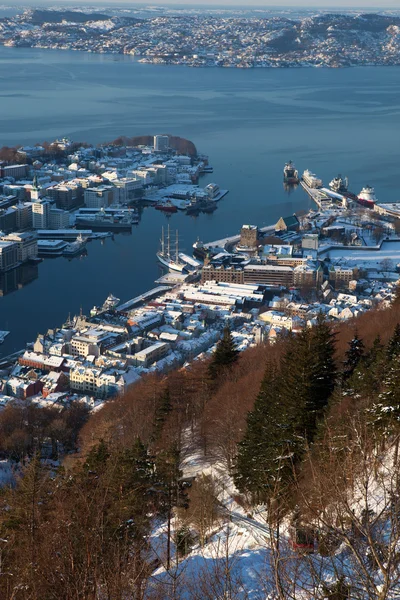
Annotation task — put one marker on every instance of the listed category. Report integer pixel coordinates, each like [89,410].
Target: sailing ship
[173,263]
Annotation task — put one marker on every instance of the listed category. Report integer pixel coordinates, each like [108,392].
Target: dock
[315,194]
[143,298]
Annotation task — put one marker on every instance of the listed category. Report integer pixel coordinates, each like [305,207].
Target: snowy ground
[237,560]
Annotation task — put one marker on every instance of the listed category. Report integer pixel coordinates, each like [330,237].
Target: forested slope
[306,430]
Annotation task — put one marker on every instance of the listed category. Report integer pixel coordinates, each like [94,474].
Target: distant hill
[40,16]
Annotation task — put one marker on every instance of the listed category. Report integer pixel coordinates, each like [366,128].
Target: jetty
[143,298]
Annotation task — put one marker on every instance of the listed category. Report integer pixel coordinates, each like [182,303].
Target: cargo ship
[290,173]
[104,222]
[339,184]
[198,205]
[367,197]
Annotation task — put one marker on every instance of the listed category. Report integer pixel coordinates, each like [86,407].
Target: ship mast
[162,242]
[177,247]
[168,243]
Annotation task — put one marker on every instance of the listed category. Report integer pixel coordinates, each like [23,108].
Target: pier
[315,194]
[143,298]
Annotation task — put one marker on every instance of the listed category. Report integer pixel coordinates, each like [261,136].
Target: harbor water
[250,122]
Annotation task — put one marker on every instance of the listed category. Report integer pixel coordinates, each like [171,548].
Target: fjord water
[249,122]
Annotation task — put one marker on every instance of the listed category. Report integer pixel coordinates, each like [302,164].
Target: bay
[250,122]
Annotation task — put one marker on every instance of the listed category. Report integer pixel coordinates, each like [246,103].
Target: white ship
[339,184]
[367,196]
[75,248]
[164,255]
[311,180]
[110,303]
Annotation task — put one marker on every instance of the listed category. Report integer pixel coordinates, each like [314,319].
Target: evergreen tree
[225,355]
[354,354]
[324,372]
[163,409]
[385,413]
[264,461]
[298,367]
[393,347]
[97,458]
[366,379]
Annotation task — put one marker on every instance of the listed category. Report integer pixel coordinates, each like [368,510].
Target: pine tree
[97,457]
[225,355]
[297,388]
[385,414]
[354,354]
[163,409]
[324,372]
[265,455]
[393,347]
[366,379]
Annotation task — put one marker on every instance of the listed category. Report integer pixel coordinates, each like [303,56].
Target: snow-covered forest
[269,474]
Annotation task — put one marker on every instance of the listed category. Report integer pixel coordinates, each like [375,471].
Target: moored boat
[290,173]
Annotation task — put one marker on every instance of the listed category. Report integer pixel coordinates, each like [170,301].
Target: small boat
[167,207]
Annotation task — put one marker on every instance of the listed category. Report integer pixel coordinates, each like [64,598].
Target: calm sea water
[248,121]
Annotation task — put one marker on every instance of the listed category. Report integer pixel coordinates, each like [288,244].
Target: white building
[40,215]
[58,219]
[161,143]
[99,197]
[310,241]
[26,242]
[127,188]
[95,381]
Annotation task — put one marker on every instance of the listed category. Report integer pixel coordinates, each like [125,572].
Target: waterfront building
[128,188]
[8,255]
[99,197]
[40,214]
[161,143]
[291,223]
[27,246]
[224,273]
[249,236]
[58,219]
[269,275]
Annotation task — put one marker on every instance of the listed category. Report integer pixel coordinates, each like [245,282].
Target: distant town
[339,259]
[207,40]
[56,198]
